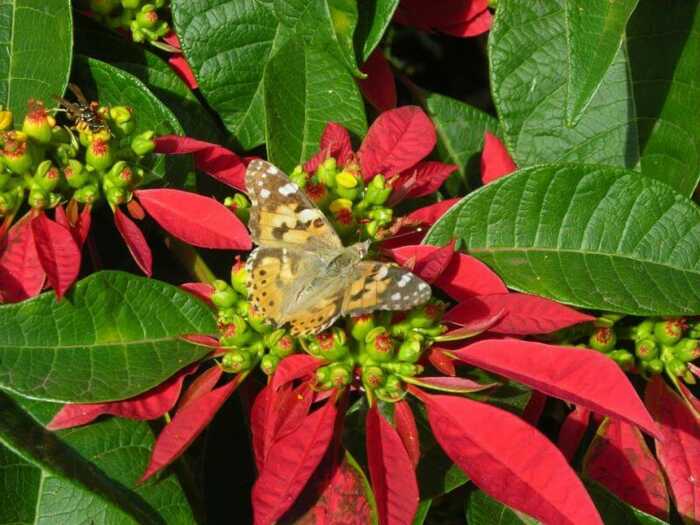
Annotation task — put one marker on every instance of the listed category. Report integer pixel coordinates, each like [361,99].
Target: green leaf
[643,114]
[227,44]
[422,512]
[327,24]
[94,40]
[484,510]
[113,86]
[374,18]
[528,59]
[38,42]
[591,236]
[321,91]
[82,475]
[595,30]
[664,50]
[616,512]
[114,336]
[460,131]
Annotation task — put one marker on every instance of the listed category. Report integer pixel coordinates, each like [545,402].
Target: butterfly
[301,274]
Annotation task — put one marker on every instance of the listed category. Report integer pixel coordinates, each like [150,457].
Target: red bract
[391,471]
[293,410]
[184,428]
[21,274]
[178,63]
[408,431]
[442,361]
[194,219]
[462,278]
[58,253]
[203,384]
[149,405]
[201,290]
[581,376]
[457,385]
[429,215]
[678,448]
[535,407]
[425,178]
[379,88]
[572,431]
[509,460]
[135,241]
[620,460]
[290,464]
[396,141]
[462,18]
[496,162]
[214,160]
[524,314]
[294,367]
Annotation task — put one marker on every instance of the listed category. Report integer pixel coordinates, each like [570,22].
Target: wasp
[84,114]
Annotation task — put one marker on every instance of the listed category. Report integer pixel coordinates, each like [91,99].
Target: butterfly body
[301,273]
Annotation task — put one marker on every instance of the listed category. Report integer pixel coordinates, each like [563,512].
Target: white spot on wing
[405,279]
[396,297]
[264,193]
[383,271]
[273,170]
[308,214]
[288,189]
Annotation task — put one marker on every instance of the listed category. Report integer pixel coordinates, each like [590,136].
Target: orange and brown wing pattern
[319,316]
[282,215]
[383,286]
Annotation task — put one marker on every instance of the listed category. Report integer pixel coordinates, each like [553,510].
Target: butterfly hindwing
[383,286]
[282,215]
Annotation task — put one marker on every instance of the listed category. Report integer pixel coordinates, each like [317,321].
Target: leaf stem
[190,259]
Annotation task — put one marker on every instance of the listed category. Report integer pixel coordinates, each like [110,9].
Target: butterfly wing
[383,286]
[282,215]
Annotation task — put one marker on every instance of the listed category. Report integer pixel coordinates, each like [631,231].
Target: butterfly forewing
[282,215]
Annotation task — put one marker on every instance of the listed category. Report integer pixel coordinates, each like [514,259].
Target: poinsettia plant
[538,197]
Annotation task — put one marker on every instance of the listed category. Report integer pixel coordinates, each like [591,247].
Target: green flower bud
[65,152]
[9,202]
[360,326]
[348,194]
[669,332]
[686,350]
[239,279]
[18,155]
[224,296]
[87,194]
[646,349]
[237,361]
[103,7]
[346,180]
[694,329]
[5,120]
[147,17]
[393,388]
[653,366]
[143,144]
[623,358]
[99,154]
[282,344]
[236,332]
[643,330]
[4,175]
[38,123]
[323,375]
[330,345]
[268,364]
[116,196]
[326,172]
[382,216]
[240,206]
[426,315]
[371,229]
[242,308]
[410,351]
[379,345]
[38,199]
[377,192]
[340,375]
[299,177]
[372,376]
[603,339]
[676,367]
[120,114]
[401,329]
[47,175]
[75,174]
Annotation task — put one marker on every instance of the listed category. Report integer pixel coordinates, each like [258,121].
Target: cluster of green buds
[46,163]
[352,206]
[144,18]
[646,345]
[381,350]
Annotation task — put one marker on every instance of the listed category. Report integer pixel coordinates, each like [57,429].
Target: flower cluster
[144,18]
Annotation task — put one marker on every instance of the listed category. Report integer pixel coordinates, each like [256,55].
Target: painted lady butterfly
[301,274]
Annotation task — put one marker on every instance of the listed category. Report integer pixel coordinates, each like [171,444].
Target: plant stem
[191,260]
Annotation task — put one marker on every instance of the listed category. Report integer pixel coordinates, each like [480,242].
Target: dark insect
[83,113]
